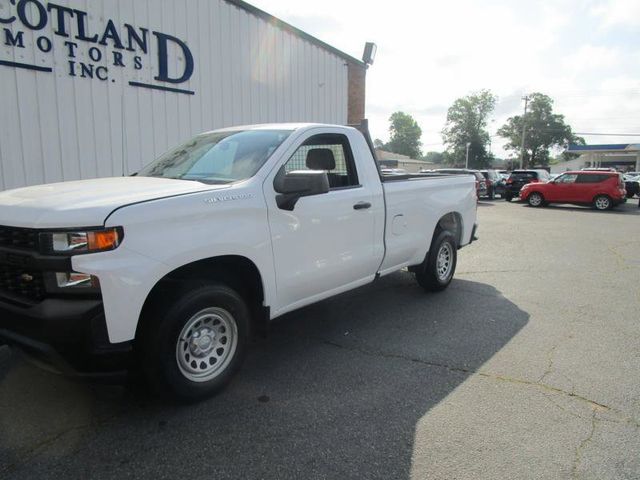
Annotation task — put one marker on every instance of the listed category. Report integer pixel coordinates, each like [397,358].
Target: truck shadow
[336,391]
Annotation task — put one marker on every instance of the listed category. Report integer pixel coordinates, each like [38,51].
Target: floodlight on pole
[369,54]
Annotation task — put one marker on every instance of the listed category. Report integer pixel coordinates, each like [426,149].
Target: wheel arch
[235,271]
[535,191]
[601,194]
[453,222]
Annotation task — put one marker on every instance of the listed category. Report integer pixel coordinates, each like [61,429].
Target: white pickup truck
[170,270]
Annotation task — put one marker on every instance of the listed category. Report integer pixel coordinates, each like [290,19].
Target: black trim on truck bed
[363,128]
[415,176]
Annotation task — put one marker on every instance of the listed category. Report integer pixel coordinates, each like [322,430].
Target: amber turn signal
[103,240]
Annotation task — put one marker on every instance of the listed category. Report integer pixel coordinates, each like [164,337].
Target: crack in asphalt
[621,258]
[473,272]
[550,359]
[551,353]
[31,452]
[468,371]
[34,450]
[578,453]
[625,418]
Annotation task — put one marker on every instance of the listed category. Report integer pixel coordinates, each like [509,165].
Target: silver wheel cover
[207,344]
[535,199]
[602,203]
[444,263]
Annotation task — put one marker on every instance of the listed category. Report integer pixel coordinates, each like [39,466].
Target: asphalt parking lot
[527,367]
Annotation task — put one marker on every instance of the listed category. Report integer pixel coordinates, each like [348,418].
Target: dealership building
[621,156]
[100,88]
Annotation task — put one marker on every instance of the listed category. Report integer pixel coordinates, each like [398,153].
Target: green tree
[434,157]
[405,135]
[576,141]
[544,130]
[467,123]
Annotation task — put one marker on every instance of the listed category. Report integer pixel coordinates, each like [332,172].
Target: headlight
[89,241]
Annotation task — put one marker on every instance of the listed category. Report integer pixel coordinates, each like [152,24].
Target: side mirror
[298,183]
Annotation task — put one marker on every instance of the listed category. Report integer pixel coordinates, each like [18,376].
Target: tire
[198,343]
[602,202]
[432,275]
[508,197]
[535,199]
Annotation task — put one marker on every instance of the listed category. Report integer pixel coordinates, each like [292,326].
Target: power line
[610,134]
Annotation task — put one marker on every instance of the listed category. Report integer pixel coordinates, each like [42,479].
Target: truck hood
[86,203]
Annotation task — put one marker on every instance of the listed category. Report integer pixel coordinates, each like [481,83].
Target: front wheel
[197,344]
[437,271]
[602,202]
[535,199]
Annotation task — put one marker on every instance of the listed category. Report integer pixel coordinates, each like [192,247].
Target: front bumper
[68,336]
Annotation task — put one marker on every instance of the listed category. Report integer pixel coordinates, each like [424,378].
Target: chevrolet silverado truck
[169,271]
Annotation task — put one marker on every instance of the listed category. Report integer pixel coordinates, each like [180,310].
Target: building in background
[623,157]
[100,88]
[396,160]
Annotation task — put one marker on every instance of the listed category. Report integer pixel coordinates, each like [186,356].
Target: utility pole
[466,165]
[524,131]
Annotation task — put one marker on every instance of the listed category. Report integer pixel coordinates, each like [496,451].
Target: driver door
[563,188]
[325,244]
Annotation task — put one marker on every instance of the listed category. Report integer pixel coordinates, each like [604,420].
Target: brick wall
[357,75]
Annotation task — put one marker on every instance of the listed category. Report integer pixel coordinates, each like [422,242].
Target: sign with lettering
[110,47]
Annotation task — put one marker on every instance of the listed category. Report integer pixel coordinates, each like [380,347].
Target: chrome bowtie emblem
[25,277]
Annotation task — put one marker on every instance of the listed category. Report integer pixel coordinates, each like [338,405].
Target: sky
[585,54]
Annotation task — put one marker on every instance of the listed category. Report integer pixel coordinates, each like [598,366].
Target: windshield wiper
[204,179]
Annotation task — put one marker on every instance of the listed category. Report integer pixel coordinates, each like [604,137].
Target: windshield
[218,157]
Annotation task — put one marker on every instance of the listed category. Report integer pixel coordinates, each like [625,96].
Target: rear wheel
[436,273]
[602,202]
[198,342]
[535,199]
[508,197]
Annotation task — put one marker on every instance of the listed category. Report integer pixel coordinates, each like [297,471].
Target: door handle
[362,206]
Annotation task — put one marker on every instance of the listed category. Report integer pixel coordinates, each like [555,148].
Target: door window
[591,178]
[568,178]
[344,174]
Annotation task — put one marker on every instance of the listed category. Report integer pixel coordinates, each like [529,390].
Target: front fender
[164,235]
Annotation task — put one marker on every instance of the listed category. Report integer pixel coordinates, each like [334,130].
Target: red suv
[603,190]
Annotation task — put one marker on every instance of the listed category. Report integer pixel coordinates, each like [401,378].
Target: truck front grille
[13,237]
[19,282]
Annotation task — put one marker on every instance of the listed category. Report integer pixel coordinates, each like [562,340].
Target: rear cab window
[344,175]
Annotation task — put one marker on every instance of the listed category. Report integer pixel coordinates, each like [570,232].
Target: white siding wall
[54,127]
